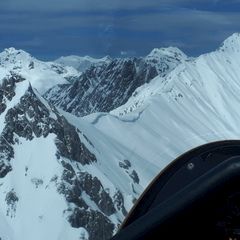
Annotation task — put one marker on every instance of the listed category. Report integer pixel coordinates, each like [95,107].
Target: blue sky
[52,28]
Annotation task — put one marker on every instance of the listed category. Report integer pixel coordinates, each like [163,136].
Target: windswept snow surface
[196,103]
[109,152]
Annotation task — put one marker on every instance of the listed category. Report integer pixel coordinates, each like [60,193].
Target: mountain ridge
[102,88]
[43,75]
[46,158]
[83,174]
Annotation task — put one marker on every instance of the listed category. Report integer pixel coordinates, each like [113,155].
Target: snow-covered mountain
[58,173]
[212,77]
[81,63]
[196,103]
[75,178]
[56,183]
[43,75]
[166,59]
[105,87]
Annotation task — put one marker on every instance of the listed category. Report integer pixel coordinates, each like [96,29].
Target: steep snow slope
[55,182]
[42,75]
[196,103]
[84,174]
[212,78]
[81,63]
[106,87]
[65,182]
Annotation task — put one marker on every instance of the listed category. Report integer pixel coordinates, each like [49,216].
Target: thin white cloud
[127,53]
[178,21]
[93,26]
[124,53]
[91,5]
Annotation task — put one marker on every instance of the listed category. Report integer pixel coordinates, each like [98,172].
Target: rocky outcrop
[95,222]
[127,166]
[7,92]
[77,188]
[11,200]
[102,88]
[30,117]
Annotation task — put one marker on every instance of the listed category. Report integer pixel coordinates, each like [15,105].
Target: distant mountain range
[82,63]
[81,138]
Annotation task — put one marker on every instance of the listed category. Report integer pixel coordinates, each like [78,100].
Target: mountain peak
[166,59]
[42,75]
[81,63]
[9,50]
[14,51]
[232,43]
[12,56]
[169,51]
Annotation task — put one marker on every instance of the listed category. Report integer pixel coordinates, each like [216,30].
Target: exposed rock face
[28,117]
[95,221]
[134,176]
[11,200]
[127,166]
[102,88]
[119,202]
[76,187]
[7,92]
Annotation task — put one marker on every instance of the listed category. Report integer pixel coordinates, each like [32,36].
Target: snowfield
[196,103]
